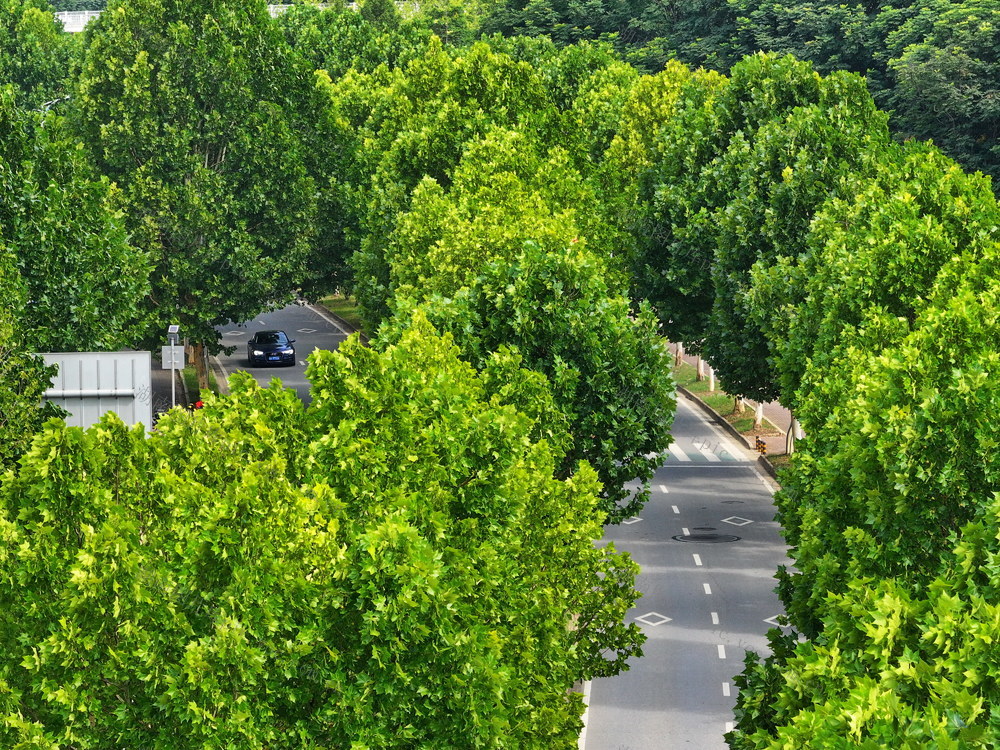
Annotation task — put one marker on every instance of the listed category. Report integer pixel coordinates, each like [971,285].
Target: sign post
[172,357]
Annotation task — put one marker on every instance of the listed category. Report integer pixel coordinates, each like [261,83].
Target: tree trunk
[701,369]
[794,433]
[680,354]
[199,354]
[738,405]
[758,416]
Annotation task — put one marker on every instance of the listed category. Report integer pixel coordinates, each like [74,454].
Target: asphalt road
[311,330]
[704,603]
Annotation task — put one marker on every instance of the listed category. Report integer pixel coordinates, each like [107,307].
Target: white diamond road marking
[774,621]
[307,330]
[653,619]
[737,520]
[234,333]
[630,521]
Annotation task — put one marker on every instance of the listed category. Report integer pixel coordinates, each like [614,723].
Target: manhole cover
[706,538]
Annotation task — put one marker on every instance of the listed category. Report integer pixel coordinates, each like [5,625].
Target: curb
[179,374]
[221,376]
[346,328]
[718,419]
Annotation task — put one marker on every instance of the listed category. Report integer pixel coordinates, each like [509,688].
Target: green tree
[895,666]
[906,457]
[417,122]
[35,53]
[515,255]
[337,39]
[833,36]
[187,106]
[665,147]
[608,369]
[873,258]
[237,579]
[83,280]
[23,377]
[944,65]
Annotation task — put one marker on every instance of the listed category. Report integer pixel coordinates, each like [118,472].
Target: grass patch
[780,460]
[345,308]
[191,382]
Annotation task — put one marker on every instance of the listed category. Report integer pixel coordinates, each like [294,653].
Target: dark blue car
[270,348]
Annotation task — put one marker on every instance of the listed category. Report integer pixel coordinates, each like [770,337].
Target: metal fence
[89,384]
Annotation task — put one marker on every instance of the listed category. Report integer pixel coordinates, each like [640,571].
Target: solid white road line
[586,710]
[764,482]
[326,316]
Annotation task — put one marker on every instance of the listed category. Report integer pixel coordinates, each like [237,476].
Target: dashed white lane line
[663,489]
[726,689]
[676,509]
[302,362]
[678,453]
[708,589]
[722,651]
[715,618]
[697,560]
[685,532]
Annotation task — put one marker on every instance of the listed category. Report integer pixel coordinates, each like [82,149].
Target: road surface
[311,330]
[704,603]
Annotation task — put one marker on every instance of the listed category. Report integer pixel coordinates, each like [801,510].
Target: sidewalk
[160,382]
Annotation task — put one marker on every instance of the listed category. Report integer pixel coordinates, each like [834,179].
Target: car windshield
[271,337]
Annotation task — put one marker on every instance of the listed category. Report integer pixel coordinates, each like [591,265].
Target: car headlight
[257,352]
[288,351]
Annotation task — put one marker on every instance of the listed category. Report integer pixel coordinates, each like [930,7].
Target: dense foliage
[410,559]
[932,63]
[189,108]
[394,566]
[34,52]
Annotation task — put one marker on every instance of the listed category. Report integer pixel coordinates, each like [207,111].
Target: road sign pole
[172,332]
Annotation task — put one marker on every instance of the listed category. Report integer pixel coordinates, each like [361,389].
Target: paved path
[311,328]
[704,603]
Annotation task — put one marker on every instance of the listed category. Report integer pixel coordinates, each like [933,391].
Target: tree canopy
[394,565]
[187,107]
